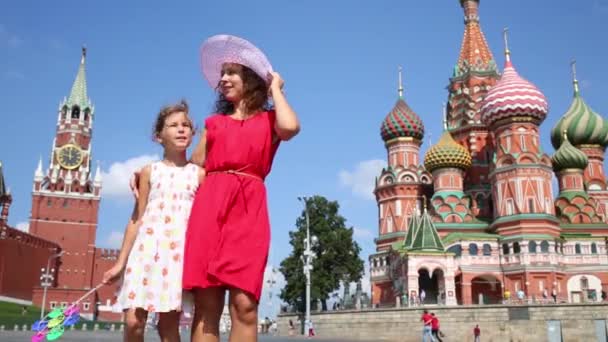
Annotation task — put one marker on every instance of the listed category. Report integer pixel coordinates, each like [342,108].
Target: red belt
[238,173]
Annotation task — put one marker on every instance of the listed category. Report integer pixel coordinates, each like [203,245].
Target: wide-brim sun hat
[224,48]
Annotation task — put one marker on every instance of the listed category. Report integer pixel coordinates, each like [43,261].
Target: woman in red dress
[228,233]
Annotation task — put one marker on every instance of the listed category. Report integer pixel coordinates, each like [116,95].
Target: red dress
[228,231]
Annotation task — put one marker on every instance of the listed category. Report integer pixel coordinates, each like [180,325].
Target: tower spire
[574,80]
[474,51]
[3,191]
[98,177]
[505,36]
[38,175]
[400,88]
[78,94]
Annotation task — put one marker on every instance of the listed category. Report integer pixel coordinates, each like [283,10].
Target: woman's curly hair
[255,91]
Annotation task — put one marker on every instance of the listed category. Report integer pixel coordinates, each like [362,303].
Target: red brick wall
[73,226]
[21,257]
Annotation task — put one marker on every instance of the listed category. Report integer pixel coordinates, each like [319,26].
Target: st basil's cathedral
[476,220]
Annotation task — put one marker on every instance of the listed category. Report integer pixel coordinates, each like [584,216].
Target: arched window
[487,249]
[75,112]
[505,248]
[531,205]
[532,247]
[516,248]
[456,249]
[473,249]
[544,247]
[577,248]
[593,248]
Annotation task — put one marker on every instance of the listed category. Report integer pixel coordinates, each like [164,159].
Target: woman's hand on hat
[276,82]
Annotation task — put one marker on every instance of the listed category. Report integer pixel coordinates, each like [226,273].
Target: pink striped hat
[224,48]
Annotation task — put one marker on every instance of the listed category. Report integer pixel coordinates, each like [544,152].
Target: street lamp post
[46,280]
[308,256]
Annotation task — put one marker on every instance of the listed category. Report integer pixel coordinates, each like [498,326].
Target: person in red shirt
[477,333]
[427,320]
[435,327]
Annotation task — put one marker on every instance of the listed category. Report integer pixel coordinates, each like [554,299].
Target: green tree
[337,255]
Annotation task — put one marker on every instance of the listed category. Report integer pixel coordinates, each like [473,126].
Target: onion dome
[401,122]
[568,157]
[584,126]
[447,153]
[513,96]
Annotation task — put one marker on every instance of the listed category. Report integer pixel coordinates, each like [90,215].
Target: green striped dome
[584,126]
[568,156]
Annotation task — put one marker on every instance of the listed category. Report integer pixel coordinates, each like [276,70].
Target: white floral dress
[153,276]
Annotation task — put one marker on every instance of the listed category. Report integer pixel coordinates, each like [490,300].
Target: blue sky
[340,66]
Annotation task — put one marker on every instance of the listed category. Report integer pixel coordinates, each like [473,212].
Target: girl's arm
[132,228]
[200,151]
[201,175]
[287,124]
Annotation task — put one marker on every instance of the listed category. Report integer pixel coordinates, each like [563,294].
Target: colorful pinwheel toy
[53,324]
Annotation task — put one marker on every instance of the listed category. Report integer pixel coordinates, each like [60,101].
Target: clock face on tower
[70,156]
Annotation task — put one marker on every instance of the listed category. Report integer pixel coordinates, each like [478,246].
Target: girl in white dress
[151,258]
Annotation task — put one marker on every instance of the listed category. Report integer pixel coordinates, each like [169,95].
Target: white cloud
[116,178]
[362,179]
[23,226]
[362,233]
[114,240]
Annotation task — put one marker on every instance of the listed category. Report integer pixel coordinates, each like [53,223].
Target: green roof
[461,226]
[457,236]
[78,95]
[509,218]
[579,236]
[567,235]
[527,237]
[411,231]
[426,237]
[583,226]
[389,236]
